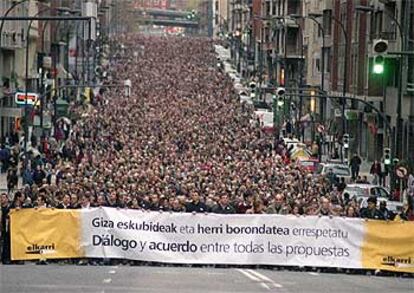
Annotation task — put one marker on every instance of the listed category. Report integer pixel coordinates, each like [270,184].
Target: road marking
[107,281]
[112,272]
[251,277]
[83,288]
[313,274]
[265,278]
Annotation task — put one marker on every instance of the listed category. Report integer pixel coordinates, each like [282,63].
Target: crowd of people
[181,142]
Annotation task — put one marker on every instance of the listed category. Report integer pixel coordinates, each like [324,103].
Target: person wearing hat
[371,212]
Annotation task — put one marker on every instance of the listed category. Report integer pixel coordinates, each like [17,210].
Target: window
[327,21]
[216,6]
[319,31]
[378,23]
[381,192]
[318,64]
[328,59]
[279,7]
[389,29]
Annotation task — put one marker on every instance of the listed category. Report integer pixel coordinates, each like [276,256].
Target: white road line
[265,278]
[112,272]
[313,274]
[251,277]
[107,281]
[264,285]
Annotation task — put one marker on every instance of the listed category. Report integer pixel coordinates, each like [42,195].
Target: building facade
[328,45]
[58,52]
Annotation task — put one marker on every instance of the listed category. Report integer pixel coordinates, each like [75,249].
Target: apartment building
[61,51]
[327,44]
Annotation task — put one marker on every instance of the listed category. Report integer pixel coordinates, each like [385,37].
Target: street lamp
[345,74]
[15,3]
[10,9]
[282,19]
[31,19]
[397,139]
[26,137]
[313,16]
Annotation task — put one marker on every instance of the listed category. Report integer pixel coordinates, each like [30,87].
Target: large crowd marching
[182,142]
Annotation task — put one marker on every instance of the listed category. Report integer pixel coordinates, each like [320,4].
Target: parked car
[340,170]
[363,191]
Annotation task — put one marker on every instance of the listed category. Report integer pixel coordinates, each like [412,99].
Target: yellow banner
[388,246]
[112,233]
[45,234]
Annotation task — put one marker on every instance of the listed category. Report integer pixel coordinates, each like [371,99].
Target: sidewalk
[365,167]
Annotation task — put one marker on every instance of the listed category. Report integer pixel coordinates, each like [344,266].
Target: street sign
[32,98]
[401,172]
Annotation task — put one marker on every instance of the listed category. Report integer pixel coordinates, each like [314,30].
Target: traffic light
[191,15]
[395,161]
[378,66]
[280,94]
[379,49]
[345,140]
[252,86]
[387,156]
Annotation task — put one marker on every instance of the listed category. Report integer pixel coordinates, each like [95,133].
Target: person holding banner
[278,206]
[5,228]
[65,204]
[223,206]
[371,212]
[195,205]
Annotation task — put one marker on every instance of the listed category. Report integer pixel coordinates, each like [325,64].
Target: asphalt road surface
[68,278]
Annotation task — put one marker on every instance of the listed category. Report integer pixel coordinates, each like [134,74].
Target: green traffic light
[378,68]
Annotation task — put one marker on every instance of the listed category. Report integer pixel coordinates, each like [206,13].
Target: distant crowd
[182,142]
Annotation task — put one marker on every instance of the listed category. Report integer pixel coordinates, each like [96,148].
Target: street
[206,146]
[55,278]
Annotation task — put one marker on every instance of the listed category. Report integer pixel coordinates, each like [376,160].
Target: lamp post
[397,139]
[31,19]
[299,130]
[15,4]
[312,16]
[346,60]
[10,9]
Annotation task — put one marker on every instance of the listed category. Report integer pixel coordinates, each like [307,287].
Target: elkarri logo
[41,248]
[407,262]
